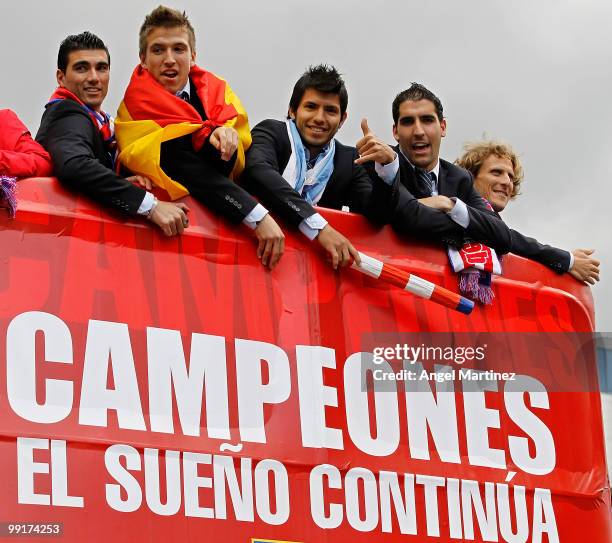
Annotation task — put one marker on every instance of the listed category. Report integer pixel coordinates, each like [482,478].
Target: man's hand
[271,241]
[141,180]
[585,267]
[170,217]
[371,148]
[338,247]
[225,140]
[443,203]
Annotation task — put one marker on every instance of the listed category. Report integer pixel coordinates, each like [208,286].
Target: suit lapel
[442,180]
[284,151]
[195,101]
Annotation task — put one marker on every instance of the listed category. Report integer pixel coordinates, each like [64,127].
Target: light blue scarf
[309,183]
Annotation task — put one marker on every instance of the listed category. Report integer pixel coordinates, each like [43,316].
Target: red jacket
[20,155]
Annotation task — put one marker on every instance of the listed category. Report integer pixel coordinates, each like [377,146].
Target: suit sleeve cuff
[387,172]
[146,204]
[459,213]
[255,216]
[311,226]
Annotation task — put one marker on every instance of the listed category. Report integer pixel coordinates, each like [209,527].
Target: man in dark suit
[79,137]
[498,175]
[296,164]
[169,85]
[437,199]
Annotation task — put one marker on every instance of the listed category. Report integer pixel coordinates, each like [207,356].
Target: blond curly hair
[475,153]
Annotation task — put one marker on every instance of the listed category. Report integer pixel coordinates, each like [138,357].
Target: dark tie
[184,96]
[427,181]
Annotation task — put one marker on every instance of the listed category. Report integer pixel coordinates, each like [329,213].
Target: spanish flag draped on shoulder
[150,115]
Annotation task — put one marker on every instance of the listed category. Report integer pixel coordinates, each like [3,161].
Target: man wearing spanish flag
[185,129]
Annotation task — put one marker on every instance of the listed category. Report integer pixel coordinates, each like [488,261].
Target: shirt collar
[314,158]
[186,88]
[435,169]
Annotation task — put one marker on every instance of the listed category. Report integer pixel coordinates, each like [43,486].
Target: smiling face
[318,118]
[495,181]
[419,132]
[168,57]
[87,75]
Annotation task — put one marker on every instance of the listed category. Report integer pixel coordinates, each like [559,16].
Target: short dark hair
[416,92]
[78,42]
[322,78]
[164,17]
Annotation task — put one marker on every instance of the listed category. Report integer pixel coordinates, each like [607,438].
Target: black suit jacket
[80,159]
[204,174]
[485,225]
[556,259]
[412,217]
[349,185]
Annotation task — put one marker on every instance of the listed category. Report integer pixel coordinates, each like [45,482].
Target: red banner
[156,389]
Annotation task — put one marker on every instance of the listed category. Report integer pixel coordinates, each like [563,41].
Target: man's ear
[443,127]
[291,114]
[60,77]
[142,62]
[193,57]
[344,116]
[395,135]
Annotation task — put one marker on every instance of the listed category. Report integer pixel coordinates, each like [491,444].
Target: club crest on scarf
[476,263]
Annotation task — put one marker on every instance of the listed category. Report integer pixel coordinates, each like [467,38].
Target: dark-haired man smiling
[297,164]
[80,139]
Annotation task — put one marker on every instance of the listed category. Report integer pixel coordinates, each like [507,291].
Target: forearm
[89,176]
[414,218]
[373,196]
[485,227]
[557,259]
[205,182]
[276,194]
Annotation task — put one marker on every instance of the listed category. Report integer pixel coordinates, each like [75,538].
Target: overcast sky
[536,74]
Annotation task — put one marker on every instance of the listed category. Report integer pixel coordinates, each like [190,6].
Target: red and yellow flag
[150,115]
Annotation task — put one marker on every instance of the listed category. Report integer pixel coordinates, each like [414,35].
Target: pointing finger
[222,141]
[367,158]
[214,139]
